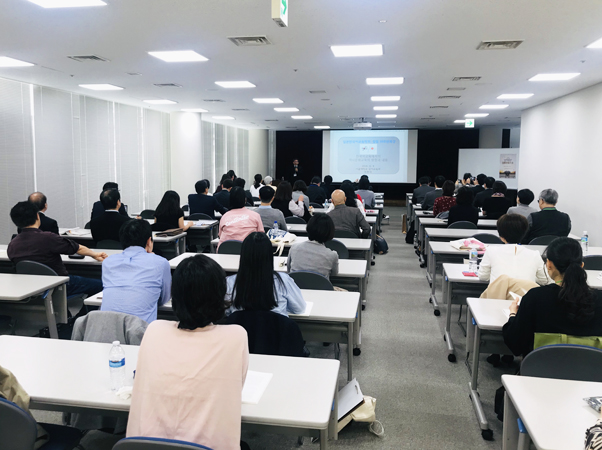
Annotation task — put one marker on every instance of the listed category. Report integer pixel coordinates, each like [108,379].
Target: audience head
[316,180]
[489,182]
[201,187]
[237,198]
[481,178]
[300,186]
[198,288]
[350,195]
[257,179]
[284,192]
[448,188]
[110,199]
[364,184]
[254,285]
[267,180]
[169,205]
[110,185]
[499,187]
[467,178]
[327,180]
[320,228]
[227,184]
[525,196]
[548,197]
[266,194]
[24,214]
[439,180]
[512,228]
[39,200]
[240,182]
[224,178]
[424,180]
[465,196]
[231,175]
[136,233]
[338,197]
[208,183]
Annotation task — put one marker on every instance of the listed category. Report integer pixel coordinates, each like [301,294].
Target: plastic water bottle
[473,260]
[585,242]
[275,226]
[117,366]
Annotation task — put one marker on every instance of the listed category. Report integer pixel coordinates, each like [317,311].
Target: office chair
[316,205]
[338,247]
[109,244]
[345,234]
[311,280]
[199,216]
[149,443]
[230,248]
[487,238]
[564,362]
[148,214]
[543,240]
[463,224]
[295,219]
[592,262]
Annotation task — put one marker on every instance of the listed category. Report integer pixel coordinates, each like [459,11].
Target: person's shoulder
[232,332]
[160,327]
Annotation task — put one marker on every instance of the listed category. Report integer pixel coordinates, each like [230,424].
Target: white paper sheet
[307,312]
[199,223]
[78,232]
[255,385]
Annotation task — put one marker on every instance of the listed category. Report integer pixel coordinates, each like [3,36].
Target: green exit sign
[280,12]
[469,123]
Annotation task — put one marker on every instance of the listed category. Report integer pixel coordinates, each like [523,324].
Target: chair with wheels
[311,280]
[564,362]
[543,240]
[87,226]
[199,216]
[230,248]
[316,205]
[295,219]
[463,224]
[345,234]
[592,262]
[150,443]
[487,238]
[148,214]
[109,244]
[338,247]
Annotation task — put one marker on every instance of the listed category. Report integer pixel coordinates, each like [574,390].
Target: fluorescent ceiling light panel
[301,117]
[222,117]
[597,44]
[5,61]
[386,116]
[286,109]
[357,50]
[460,121]
[514,96]
[385,121]
[101,87]
[195,110]
[267,100]
[493,106]
[476,115]
[385,98]
[554,76]
[67,3]
[384,81]
[179,56]
[386,108]
[321,127]
[235,84]
[160,102]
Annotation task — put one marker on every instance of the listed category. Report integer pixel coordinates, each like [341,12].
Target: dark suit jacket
[480,198]
[299,174]
[205,204]
[461,213]
[496,207]
[107,226]
[223,197]
[316,194]
[98,210]
[477,189]
[429,199]
[47,224]
[547,222]
[420,192]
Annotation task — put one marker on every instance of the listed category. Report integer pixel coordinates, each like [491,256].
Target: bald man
[41,203]
[348,218]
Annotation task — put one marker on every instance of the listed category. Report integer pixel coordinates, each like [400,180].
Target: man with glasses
[548,221]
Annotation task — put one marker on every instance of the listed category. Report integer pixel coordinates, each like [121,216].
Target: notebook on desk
[167,233]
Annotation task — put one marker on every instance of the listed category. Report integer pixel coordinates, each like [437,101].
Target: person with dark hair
[223,196]
[283,200]
[524,197]
[465,181]
[239,221]
[300,189]
[232,175]
[312,255]
[169,215]
[240,182]
[479,183]
[315,192]
[98,209]
[257,185]
[202,202]
[447,200]
[41,203]
[107,225]
[33,244]
[327,186]
[487,192]
[348,218]
[497,205]
[269,215]
[463,211]
[365,192]
[295,172]
[221,182]
[421,191]
[513,259]
[136,281]
[567,306]
[192,355]
[257,286]
[549,221]
[430,197]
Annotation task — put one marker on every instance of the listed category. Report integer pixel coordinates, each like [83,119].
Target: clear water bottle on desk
[473,260]
[117,366]
[585,242]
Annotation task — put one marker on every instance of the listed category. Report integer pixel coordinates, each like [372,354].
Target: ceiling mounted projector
[362,126]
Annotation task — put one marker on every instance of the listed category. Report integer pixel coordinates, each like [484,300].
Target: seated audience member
[486,193]
[240,182]
[300,189]
[98,209]
[430,197]
[33,244]
[423,188]
[232,175]
[192,355]
[256,186]
[351,198]
[312,255]
[328,187]
[365,192]
[348,218]
[447,200]
[202,202]
[478,185]
[315,192]
[497,205]
[136,281]
[283,201]
[549,221]
[107,225]
[268,182]
[524,197]
[223,196]
[463,211]
[169,215]
[239,222]
[221,182]
[512,259]
[257,286]
[567,306]
[268,214]
[47,224]
[465,181]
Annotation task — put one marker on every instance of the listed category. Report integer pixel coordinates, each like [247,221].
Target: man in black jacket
[479,182]
[203,203]
[41,203]
[223,196]
[295,172]
[430,197]
[549,221]
[315,192]
[108,224]
[97,208]
[480,198]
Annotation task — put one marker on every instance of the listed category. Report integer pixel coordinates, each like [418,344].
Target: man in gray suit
[430,197]
[424,188]
[348,218]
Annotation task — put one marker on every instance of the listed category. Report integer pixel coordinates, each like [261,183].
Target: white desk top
[350,243]
[489,313]
[554,412]
[66,260]
[348,268]
[302,228]
[455,233]
[18,287]
[88,235]
[369,212]
[444,248]
[454,274]
[434,222]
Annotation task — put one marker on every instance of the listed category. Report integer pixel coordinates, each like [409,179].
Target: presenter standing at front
[296,172]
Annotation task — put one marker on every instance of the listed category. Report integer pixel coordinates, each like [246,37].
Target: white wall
[186,152]
[560,149]
[491,136]
[258,154]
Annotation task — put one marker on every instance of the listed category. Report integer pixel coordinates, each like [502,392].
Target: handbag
[281,239]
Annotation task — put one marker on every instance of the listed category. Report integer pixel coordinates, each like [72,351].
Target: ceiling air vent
[240,109]
[449,96]
[133,74]
[499,45]
[456,89]
[466,78]
[213,100]
[85,58]
[317,92]
[168,85]
[438,107]
[271,120]
[427,118]
[250,41]
[292,128]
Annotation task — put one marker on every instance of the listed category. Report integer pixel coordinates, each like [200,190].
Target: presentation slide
[386,156]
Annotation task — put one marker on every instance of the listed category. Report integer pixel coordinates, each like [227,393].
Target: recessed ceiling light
[381,81]
[101,87]
[386,108]
[301,117]
[385,121]
[493,106]
[357,50]
[267,100]
[554,76]
[385,98]
[222,117]
[514,96]
[160,102]
[386,116]
[476,115]
[235,84]
[321,127]
[67,3]
[382,21]
[286,109]
[460,121]
[195,110]
[597,44]
[179,56]
[5,61]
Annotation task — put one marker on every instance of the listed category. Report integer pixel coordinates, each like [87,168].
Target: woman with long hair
[283,200]
[169,214]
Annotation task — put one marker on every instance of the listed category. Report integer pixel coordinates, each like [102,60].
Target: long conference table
[79,382]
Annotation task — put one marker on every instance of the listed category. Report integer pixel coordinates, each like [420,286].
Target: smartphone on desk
[76,256]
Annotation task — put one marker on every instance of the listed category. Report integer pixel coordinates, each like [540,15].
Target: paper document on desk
[78,232]
[199,223]
[255,385]
[307,312]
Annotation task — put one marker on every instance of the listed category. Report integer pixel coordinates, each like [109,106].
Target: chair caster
[357,351]
[430,300]
[451,357]
[363,307]
[422,266]
[437,312]
[444,338]
[487,435]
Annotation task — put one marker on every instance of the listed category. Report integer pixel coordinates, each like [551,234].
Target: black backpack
[380,246]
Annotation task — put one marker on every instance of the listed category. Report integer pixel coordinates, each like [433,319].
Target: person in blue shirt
[136,281]
[257,286]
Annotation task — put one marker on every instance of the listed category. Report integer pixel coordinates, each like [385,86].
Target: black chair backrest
[543,240]
[199,216]
[185,208]
[145,443]
[295,219]
[316,205]
[87,226]
[266,229]
[345,234]
[338,247]
[109,244]
[487,238]
[34,268]
[592,262]
[230,248]
[148,214]
[564,362]
[311,280]
[464,224]
[256,199]
[17,428]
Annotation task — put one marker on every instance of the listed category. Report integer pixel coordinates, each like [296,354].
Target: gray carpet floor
[422,399]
